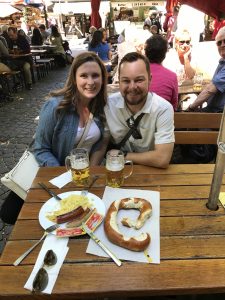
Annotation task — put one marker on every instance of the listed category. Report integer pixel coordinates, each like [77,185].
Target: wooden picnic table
[192,241]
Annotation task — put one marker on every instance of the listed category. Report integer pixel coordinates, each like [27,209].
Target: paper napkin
[152,226]
[59,246]
[62,179]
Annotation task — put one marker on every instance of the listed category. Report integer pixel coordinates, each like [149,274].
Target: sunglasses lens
[184,42]
[50,258]
[219,43]
[40,281]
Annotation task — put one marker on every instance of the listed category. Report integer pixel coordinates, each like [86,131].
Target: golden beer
[80,174]
[114,175]
[197,87]
[78,163]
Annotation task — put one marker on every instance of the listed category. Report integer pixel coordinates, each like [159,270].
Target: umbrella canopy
[213,8]
[7,10]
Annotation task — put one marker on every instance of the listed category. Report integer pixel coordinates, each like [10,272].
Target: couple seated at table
[63,118]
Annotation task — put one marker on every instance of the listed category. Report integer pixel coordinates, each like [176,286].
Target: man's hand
[192,109]
[187,55]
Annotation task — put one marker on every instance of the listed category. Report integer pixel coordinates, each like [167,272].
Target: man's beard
[135,102]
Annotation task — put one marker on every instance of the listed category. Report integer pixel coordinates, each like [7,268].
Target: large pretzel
[136,243]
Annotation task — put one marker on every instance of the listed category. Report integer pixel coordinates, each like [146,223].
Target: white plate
[53,204]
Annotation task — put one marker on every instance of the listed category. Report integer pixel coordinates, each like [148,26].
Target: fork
[47,231]
[85,192]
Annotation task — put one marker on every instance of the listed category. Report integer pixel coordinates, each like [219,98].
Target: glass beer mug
[197,82]
[78,163]
[115,162]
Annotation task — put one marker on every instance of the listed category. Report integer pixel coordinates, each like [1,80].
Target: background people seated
[23,47]
[56,39]
[4,33]
[4,53]
[36,38]
[214,92]
[102,49]
[21,32]
[92,29]
[163,82]
[63,118]
[45,34]
[151,143]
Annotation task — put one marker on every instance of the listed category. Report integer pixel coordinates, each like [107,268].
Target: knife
[106,249]
[53,194]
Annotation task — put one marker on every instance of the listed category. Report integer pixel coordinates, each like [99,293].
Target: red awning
[213,8]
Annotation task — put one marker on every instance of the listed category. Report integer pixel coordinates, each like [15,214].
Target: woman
[164,82]
[63,118]
[102,49]
[56,39]
[36,39]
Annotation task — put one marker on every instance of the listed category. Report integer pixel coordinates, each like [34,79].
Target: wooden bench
[186,124]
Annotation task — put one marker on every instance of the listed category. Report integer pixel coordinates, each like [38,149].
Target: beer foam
[114,167]
[80,165]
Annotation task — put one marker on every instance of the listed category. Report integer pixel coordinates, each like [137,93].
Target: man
[153,141]
[214,92]
[44,33]
[181,58]
[23,47]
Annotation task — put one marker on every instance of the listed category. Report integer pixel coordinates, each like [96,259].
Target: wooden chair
[191,127]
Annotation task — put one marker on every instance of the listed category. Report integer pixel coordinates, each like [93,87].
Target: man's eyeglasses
[219,43]
[41,279]
[185,42]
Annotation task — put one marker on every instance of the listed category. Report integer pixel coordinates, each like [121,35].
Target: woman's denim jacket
[56,133]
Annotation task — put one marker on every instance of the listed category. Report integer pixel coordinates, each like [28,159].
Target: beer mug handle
[131,165]
[68,163]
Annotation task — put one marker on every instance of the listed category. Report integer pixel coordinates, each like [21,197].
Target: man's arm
[160,157]
[207,92]
[97,157]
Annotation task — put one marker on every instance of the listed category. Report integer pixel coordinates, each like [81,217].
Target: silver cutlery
[106,249]
[47,231]
[53,194]
[85,192]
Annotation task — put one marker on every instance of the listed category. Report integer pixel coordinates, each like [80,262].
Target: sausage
[70,215]
[80,219]
[136,243]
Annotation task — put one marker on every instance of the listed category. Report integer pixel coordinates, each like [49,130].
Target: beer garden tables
[192,241]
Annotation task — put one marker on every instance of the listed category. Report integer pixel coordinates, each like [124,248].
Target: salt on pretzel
[136,243]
